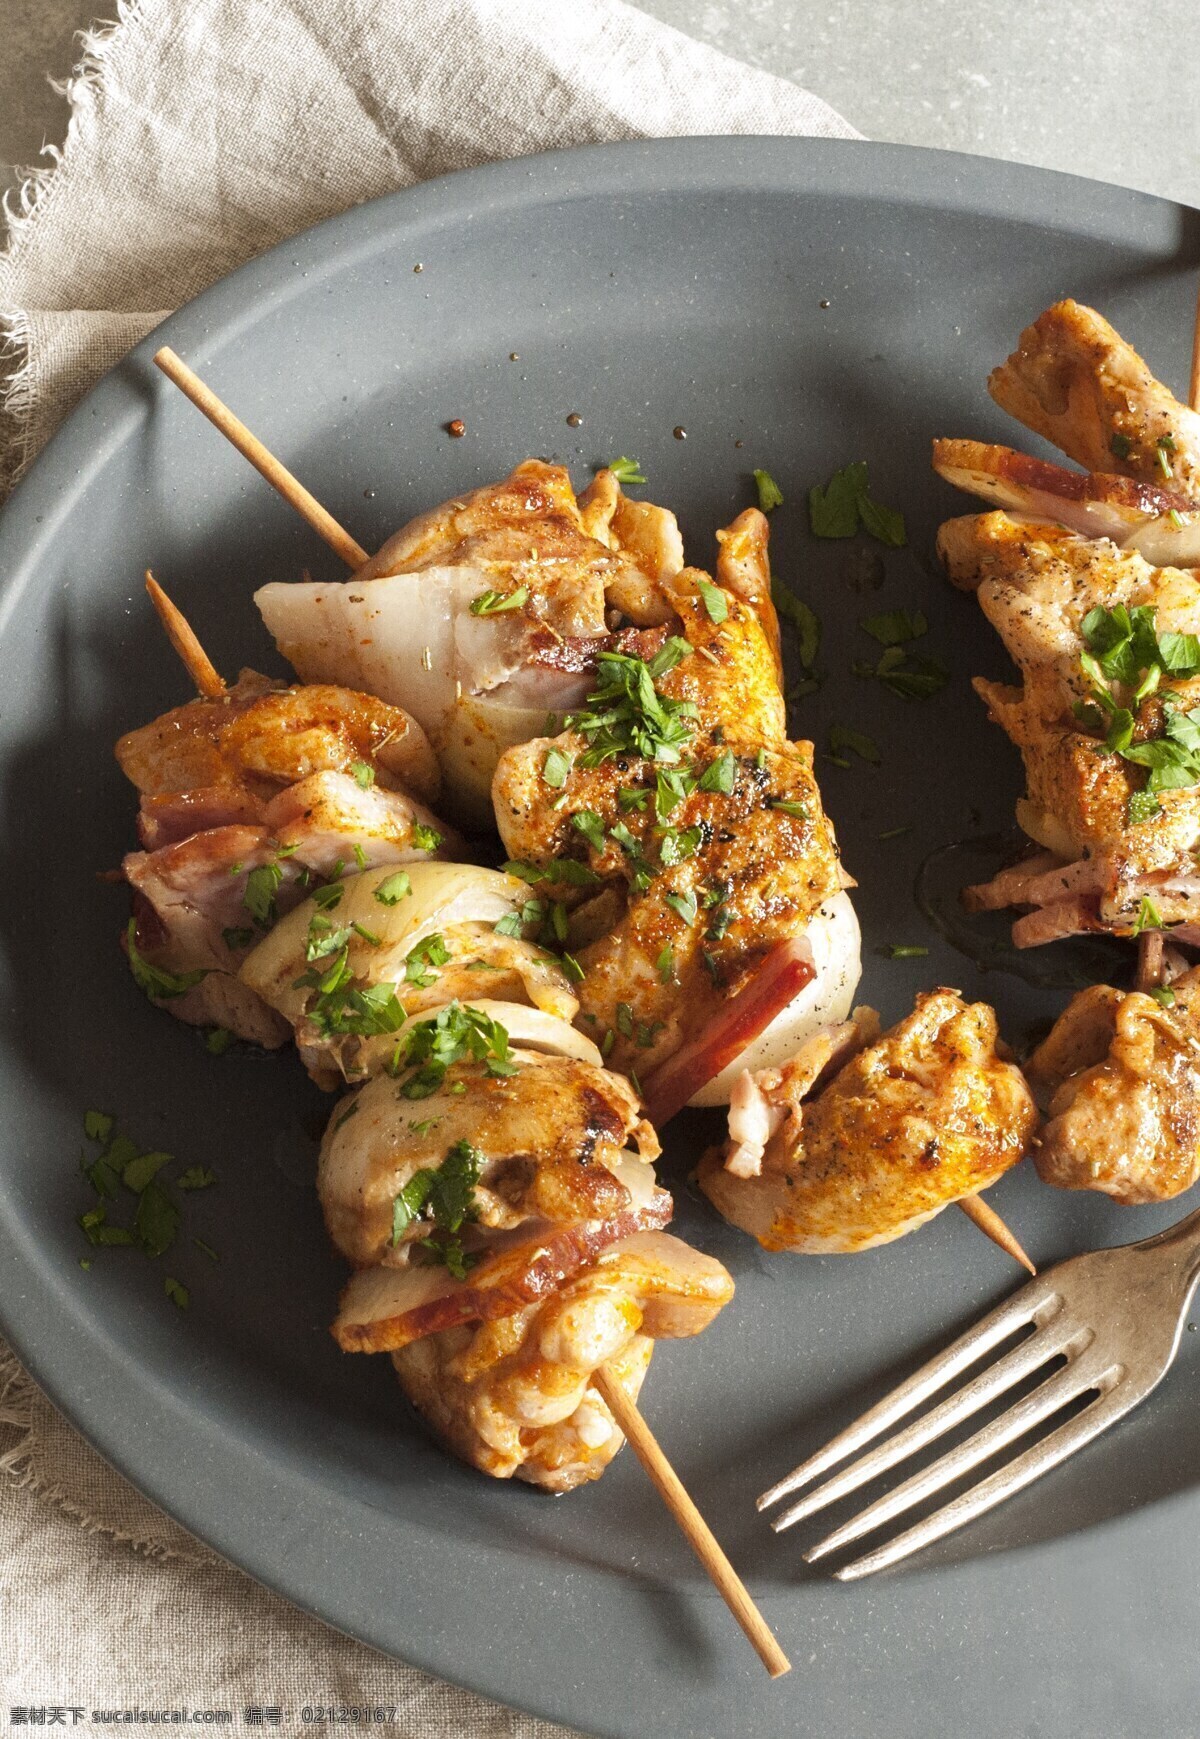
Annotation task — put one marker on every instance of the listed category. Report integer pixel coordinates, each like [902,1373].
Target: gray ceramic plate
[644,287]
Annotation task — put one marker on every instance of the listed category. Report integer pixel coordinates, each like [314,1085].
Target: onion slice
[782,976]
[383,1309]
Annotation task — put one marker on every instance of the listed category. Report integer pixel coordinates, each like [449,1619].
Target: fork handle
[1183,1239]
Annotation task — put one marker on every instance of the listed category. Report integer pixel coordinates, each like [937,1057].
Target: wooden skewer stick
[277,475]
[692,1524]
[670,1487]
[196,661]
[993,1227]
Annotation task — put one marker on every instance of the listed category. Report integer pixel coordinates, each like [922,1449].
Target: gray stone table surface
[1086,87]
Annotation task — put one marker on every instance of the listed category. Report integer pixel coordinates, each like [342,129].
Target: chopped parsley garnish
[804,620]
[156,981]
[626,470]
[672,785]
[1163,995]
[895,832]
[425,838]
[677,844]
[515,924]
[629,797]
[571,871]
[527,872]
[176,1293]
[422,958]
[906,674]
[196,1177]
[455,1034]
[572,968]
[394,889]
[797,810]
[329,896]
[120,1165]
[719,774]
[1147,917]
[139,1171]
[262,885]
[587,822]
[217,1040]
[156,1219]
[360,856]
[445,1195]
[894,627]
[841,738]
[770,495]
[685,905]
[903,951]
[845,504]
[491,603]
[324,938]
[1123,646]
[715,601]
[555,769]
[237,938]
[1120,445]
[665,964]
[626,713]
[364,776]
[342,1006]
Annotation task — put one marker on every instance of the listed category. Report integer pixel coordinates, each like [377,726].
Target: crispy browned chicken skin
[1119,1075]
[916,1119]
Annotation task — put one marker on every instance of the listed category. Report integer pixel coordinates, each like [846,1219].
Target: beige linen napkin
[201,133]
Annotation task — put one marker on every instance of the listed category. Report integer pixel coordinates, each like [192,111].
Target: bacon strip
[383,1309]
[778,981]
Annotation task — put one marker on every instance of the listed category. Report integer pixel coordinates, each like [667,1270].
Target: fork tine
[1039,1458]
[1035,1302]
[1057,1391]
[1024,1359]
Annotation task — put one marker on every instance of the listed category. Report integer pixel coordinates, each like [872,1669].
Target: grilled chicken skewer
[537,1380]
[1088,579]
[644,539]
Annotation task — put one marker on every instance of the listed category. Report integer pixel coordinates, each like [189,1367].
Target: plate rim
[128,394]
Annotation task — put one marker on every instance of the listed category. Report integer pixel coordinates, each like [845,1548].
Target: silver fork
[1110,1322]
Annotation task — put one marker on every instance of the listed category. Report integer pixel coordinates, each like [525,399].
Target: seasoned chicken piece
[262,736]
[706,877]
[1161,524]
[487,612]
[913,1121]
[1036,584]
[247,801]
[559,1139]
[1119,1076]
[514,1396]
[1074,380]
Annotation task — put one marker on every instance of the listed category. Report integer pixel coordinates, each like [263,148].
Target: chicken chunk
[1119,1076]
[1073,379]
[487,612]
[557,1140]
[261,737]
[915,1120]
[514,1397]
[1037,584]
[703,878]
[1161,524]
